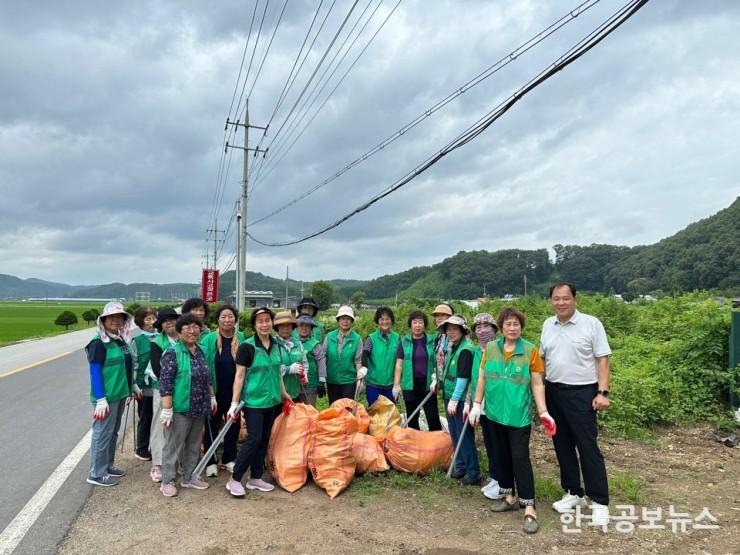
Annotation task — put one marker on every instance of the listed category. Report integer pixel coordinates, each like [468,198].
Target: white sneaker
[211,470]
[486,483]
[599,515]
[492,490]
[569,502]
[230,467]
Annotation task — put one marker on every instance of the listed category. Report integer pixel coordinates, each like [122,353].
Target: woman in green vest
[258,383]
[167,337]
[219,348]
[343,348]
[315,358]
[293,357]
[511,375]
[144,318]
[379,356]
[111,363]
[455,381]
[415,371]
[187,400]
[309,307]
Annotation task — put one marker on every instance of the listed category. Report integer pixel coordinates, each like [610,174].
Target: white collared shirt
[570,349]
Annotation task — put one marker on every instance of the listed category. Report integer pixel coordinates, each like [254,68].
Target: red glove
[549,423]
[287,405]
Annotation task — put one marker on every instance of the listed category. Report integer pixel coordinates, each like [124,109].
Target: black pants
[252,454]
[570,406]
[511,458]
[488,443]
[144,410]
[413,397]
[231,437]
[337,391]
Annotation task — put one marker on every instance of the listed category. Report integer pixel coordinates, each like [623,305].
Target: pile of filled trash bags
[346,439]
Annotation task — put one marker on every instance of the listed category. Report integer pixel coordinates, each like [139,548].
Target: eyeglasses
[191,327]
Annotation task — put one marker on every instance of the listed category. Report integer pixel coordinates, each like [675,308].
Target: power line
[479,78]
[574,53]
[267,50]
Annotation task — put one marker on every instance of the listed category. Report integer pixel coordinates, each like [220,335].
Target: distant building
[70,300]
[143,297]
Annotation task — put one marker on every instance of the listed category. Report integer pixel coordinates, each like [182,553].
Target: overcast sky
[112,126]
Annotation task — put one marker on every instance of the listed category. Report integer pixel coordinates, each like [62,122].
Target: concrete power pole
[242,257]
[237,273]
[215,232]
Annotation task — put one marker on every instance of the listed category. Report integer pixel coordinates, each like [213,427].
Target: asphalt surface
[44,412]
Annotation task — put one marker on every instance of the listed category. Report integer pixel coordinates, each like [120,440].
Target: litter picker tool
[457,447]
[125,422]
[358,388]
[215,443]
[417,409]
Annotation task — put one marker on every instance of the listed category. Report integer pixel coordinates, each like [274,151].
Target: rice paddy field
[29,320]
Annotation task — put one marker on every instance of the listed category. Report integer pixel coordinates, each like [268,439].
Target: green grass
[628,487]
[20,320]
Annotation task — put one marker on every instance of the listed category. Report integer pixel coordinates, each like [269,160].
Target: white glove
[284,370]
[452,407]
[296,368]
[232,414]
[396,391]
[214,406]
[474,415]
[101,409]
[466,410]
[165,417]
[149,375]
[361,373]
[433,383]
[137,392]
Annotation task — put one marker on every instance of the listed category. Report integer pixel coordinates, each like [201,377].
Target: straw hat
[456,320]
[442,309]
[284,317]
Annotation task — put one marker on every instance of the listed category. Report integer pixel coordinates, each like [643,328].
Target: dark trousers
[412,398]
[511,458]
[231,437]
[467,457]
[144,410]
[252,454]
[488,443]
[372,392]
[337,391]
[570,406]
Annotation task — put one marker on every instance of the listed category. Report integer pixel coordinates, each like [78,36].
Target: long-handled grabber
[125,423]
[417,409]
[215,442]
[457,447]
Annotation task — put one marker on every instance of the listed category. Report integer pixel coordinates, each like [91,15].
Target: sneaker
[493,491]
[212,470]
[470,480]
[229,466]
[235,488]
[569,502]
[487,483]
[116,471]
[260,484]
[156,473]
[168,490]
[599,515]
[143,455]
[106,480]
[457,473]
[196,482]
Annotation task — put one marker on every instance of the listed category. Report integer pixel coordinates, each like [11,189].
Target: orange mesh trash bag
[330,458]
[410,450]
[368,452]
[290,440]
[358,409]
[383,415]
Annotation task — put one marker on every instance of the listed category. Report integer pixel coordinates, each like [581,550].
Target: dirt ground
[398,513]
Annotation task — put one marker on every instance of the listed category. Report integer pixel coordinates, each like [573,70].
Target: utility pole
[242,268]
[286,288]
[525,285]
[215,232]
[237,273]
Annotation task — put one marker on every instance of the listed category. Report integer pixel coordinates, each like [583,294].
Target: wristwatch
[604,392]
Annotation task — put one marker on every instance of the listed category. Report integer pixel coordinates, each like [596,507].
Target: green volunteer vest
[209,345]
[262,388]
[291,381]
[407,374]
[508,396]
[143,356]
[341,369]
[313,367]
[181,385]
[450,371]
[477,357]
[115,383]
[382,364]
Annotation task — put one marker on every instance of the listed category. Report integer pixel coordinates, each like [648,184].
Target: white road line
[19,526]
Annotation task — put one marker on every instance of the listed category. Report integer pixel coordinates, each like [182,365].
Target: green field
[26,320]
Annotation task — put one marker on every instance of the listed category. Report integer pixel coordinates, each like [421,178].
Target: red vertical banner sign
[210,286]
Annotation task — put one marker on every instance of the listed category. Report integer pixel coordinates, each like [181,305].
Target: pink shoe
[196,482]
[235,488]
[156,473]
[168,490]
[260,484]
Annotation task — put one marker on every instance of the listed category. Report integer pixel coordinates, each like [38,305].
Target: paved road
[44,412]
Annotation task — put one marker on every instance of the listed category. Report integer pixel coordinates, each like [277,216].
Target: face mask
[486,334]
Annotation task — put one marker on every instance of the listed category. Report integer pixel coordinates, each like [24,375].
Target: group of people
[188,380]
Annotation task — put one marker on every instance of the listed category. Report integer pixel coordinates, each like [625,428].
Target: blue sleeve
[96,379]
[460,386]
